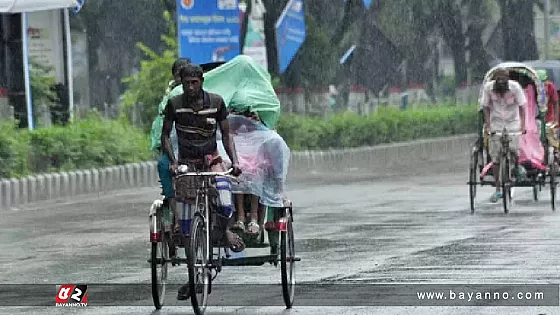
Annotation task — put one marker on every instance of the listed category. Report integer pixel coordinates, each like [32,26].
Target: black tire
[159,258]
[553,183]
[506,185]
[473,171]
[536,192]
[262,217]
[198,243]
[287,252]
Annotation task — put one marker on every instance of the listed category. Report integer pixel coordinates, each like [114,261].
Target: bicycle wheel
[473,171]
[506,184]
[553,183]
[536,192]
[199,272]
[287,263]
[159,262]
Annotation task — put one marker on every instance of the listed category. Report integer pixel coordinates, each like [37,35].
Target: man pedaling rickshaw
[197,115]
[504,102]
[552,109]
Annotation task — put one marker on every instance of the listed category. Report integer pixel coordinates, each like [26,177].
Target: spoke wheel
[506,184]
[473,172]
[536,192]
[159,263]
[287,264]
[199,271]
[553,183]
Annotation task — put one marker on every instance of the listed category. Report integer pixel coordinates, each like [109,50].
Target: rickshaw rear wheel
[287,264]
[159,258]
[473,170]
[553,183]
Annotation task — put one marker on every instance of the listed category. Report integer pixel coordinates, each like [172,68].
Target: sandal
[234,241]
[253,228]
[239,226]
[496,196]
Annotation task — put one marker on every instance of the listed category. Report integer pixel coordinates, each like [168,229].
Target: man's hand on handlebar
[236,170]
[174,168]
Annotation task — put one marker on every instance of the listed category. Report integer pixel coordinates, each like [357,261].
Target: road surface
[390,231]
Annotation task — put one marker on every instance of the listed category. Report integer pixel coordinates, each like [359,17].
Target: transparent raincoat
[264,159]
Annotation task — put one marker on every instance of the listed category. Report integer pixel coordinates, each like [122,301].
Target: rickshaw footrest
[249,261]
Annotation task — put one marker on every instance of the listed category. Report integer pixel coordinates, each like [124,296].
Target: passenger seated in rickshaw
[552,109]
[504,102]
[264,158]
[253,227]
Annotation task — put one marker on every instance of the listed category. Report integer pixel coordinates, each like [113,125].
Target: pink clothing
[531,149]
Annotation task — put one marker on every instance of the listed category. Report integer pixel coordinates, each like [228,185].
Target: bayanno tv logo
[71,295]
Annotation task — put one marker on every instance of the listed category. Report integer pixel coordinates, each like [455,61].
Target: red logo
[187,4]
[70,294]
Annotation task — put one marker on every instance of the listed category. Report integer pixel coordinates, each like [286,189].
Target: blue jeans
[165,175]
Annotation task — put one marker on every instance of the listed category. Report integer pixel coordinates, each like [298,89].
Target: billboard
[208,30]
[255,41]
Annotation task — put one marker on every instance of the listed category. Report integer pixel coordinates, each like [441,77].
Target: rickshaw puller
[197,114]
[504,102]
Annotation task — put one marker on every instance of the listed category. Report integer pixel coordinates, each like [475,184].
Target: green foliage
[96,142]
[88,143]
[146,88]
[317,59]
[388,125]
[41,86]
[14,150]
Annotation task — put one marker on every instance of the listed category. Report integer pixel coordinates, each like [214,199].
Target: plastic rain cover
[245,85]
[263,157]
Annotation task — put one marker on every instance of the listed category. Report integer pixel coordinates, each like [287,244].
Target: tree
[518,24]
[42,92]
[147,87]
[114,28]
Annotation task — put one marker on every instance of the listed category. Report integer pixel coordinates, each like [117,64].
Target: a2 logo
[71,293]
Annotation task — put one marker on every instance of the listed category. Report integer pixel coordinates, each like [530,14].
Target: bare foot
[234,241]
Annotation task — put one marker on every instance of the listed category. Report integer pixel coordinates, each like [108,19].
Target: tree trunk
[476,25]
[518,24]
[452,30]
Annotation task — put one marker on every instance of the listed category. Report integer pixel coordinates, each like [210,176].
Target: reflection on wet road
[398,230]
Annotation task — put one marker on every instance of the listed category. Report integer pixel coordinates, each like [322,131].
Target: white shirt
[504,110]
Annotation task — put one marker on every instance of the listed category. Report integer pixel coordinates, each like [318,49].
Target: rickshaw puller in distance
[504,102]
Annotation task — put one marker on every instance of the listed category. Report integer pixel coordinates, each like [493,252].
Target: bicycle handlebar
[183,170]
[518,133]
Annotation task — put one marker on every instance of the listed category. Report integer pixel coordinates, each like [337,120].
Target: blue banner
[290,32]
[79,5]
[208,30]
[366,2]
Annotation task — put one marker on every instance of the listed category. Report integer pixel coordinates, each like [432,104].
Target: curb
[418,156]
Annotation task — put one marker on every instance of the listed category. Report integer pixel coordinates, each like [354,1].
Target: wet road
[397,230]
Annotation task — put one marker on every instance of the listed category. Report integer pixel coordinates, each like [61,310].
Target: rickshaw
[205,254]
[537,156]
